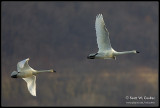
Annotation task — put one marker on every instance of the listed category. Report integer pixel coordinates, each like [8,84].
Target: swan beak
[137,52]
[53,70]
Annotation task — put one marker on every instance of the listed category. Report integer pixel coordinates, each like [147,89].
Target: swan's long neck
[124,52]
[41,71]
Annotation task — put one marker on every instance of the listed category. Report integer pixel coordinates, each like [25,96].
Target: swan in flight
[105,50]
[27,73]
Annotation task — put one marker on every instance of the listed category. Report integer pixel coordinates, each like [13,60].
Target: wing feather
[23,65]
[31,84]
[102,34]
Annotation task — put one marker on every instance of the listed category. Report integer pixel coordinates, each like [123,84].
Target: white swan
[103,41]
[27,73]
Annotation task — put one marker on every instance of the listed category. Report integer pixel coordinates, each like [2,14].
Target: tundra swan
[105,50]
[27,73]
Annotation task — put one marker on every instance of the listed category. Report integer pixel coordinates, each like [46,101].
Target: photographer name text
[140,97]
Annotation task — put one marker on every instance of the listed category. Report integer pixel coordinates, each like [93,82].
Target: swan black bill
[54,71]
[137,52]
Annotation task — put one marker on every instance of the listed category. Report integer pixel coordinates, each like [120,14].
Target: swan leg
[114,57]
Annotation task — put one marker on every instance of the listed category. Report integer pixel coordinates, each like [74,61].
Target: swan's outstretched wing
[102,34]
[23,65]
[31,84]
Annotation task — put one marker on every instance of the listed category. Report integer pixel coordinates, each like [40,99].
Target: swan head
[14,74]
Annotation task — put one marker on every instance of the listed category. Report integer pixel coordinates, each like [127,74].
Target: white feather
[102,34]
[105,50]
[31,84]
[23,65]
[28,74]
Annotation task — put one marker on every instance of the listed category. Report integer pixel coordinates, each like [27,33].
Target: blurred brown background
[60,35]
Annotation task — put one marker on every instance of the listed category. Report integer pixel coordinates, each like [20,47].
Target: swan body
[27,73]
[105,49]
